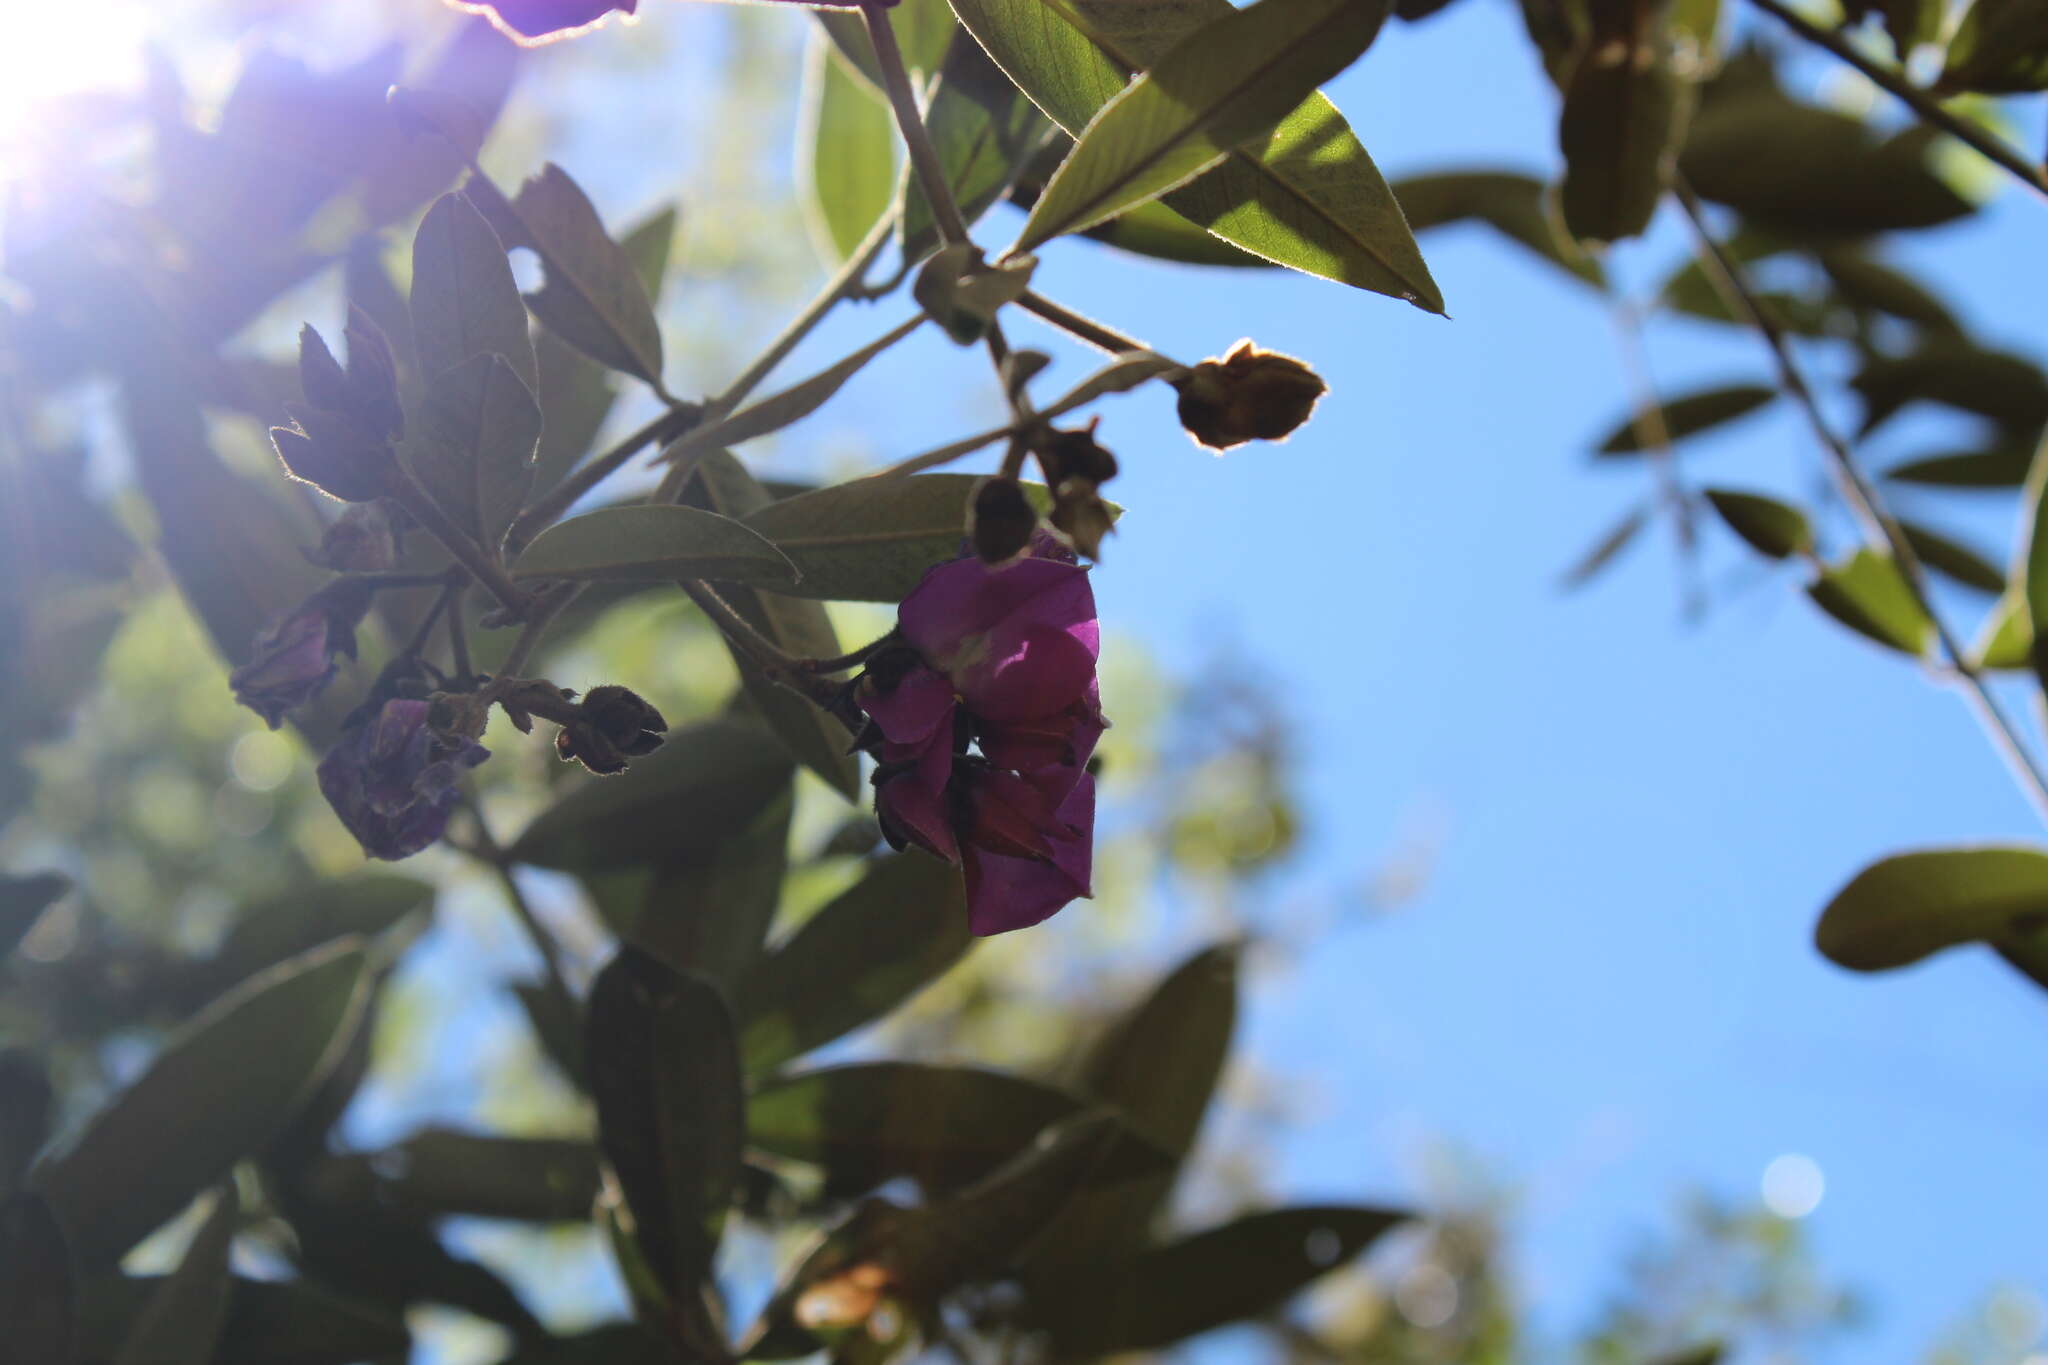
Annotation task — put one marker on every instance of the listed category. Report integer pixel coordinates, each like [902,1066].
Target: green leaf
[705,785]
[871,540]
[870,1123]
[1244,1269]
[25,1100]
[1905,907]
[311,913]
[1516,206]
[874,946]
[269,1322]
[1951,557]
[1310,199]
[2000,48]
[1228,83]
[22,902]
[1157,1067]
[1954,373]
[791,405]
[2007,637]
[924,32]
[592,295]
[38,1296]
[256,1054]
[651,542]
[1868,594]
[984,131]
[1771,527]
[464,303]
[1602,552]
[1812,171]
[710,914]
[439,1172]
[1689,415]
[2004,467]
[183,1322]
[1866,283]
[1157,231]
[849,153]
[1622,110]
[665,1075]
[472,444]
[799,627]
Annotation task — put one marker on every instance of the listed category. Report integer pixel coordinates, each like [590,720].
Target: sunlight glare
[49,51]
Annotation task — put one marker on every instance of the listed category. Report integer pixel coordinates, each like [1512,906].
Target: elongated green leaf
[705,785]
[848,150]
[464,303]
[22,902]
[1945,555]
[1514,205]
[38,1295]
[1868,594]
[1622,111]
[1603,551]
[799,627]
[870,949]
[1310,199]
[984,131]
[1157,1067]
[472,443]
[788,407]
[1243,1269]
[592,295]
[651,542]
[1902,908]
[871,540]
[269,1322]
[2004,467]
[1228,83]
[2007,637]
[439,1172]
[2000,48]
[1157,231]
[1867,283]
[665,1075]
[182,1324]
[870,1123]
[311,913]
[1771,527]
[1689,415]
[710,914]
[257,1054]
[25,1101]
[1954,373]
[924,31]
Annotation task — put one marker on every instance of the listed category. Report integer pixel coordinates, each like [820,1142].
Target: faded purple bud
[291,660]
[393,780]
[1248,394]
[1003,520]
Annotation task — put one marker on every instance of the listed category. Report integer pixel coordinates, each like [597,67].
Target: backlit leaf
[592,297]
[1868,594]
[984,131]
[1771,527]
[22,902]
[464,303]
[1946,555]
[1902,908]
[849,151]
[471,445]
[38,1295]
[1689,415]
[1622,109]
[1516,206]
[650,542]
[2000,48]
[182,1324]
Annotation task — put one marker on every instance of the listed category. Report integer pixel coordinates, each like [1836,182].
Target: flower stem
[1922,103]
[1880,526]
[435,523]
[1086,329]
[768,656]
[458,636]
[924,157]
[666,427]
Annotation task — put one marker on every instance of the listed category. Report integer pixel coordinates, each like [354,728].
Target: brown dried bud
[1249,394]
[1003,520]
[612,725]
[1075,454]
[1082,516]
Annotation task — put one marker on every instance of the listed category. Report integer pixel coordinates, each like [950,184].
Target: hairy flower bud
[1249,394]
[1003,520]
[363,539]
[612,725]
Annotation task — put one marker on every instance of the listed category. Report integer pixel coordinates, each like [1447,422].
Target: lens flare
[51,51]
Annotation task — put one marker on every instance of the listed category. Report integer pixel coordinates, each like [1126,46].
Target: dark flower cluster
[392,778]
[982,714]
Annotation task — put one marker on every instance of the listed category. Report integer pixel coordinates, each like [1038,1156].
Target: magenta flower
[1001,660]
[393,780]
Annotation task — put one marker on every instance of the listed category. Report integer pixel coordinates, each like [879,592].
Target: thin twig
[435,523]
[946,454]
[581,480]
[1086,329]
[1653,434]
[426,626]
[1922,103]
[489,851]
[924,158]
[458,635]
[775,664]
[1880,527]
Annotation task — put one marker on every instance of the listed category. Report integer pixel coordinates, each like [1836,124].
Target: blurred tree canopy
[675,1030]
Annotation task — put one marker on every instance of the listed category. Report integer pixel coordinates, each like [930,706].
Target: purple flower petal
[1016,641]
[1005,893]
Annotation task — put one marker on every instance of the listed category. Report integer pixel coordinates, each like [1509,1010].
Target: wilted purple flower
[291,660]
[392,779]
[1002,659]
